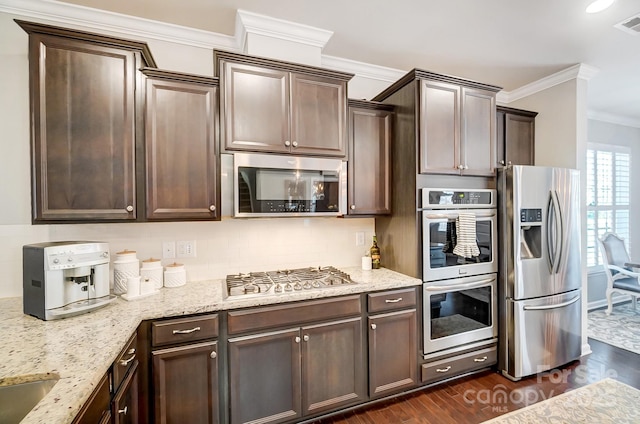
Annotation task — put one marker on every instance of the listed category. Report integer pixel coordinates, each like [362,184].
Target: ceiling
[506,43]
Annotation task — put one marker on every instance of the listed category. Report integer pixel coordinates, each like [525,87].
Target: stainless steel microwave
[268,185]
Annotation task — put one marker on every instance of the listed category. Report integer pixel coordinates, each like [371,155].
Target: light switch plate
[186,248]
[168,249]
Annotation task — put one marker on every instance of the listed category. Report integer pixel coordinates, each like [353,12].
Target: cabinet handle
[353,207]
[123,411]
[129,208]
[294,144]
[460,167]
[509,163]
[484,358]
[287,143]
[443,369]
[212,208]
[502,162]
[213,355]
[305,338]
[186,331]
[297,339]
[466,167]
[125,362]
[393,300]
[373,326]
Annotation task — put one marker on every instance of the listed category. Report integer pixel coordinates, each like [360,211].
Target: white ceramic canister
[125,265]
[152,269]
[175,275]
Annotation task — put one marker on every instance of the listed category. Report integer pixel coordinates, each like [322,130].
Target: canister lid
[151,263]
[174,266]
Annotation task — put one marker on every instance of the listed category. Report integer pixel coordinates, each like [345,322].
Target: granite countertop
[79,350]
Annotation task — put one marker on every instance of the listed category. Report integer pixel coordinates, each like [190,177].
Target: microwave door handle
[471,285]
[556,306]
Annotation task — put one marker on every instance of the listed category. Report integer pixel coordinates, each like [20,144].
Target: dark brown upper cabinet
[516,136]
[85,99]
[454,120]
[181,159]
[280,107]
[369,167]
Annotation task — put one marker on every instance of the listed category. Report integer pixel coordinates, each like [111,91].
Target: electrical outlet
[186,249]
[168,249]
[359,238]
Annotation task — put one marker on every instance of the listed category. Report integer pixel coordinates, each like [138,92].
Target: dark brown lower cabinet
[186,384]
[392,352]
[281,376]
[96,409]
[124,406]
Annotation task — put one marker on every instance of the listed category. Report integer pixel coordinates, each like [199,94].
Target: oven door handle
[556,306]
[454,215]
[471,285]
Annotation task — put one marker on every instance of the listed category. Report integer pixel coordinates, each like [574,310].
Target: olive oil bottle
[375,254]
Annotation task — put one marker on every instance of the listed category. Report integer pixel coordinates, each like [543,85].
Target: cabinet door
[369,161]
[478,139]
[186,384]
[519,139]
[125,402]
[255,108]
[264,377]
[82,104]
[180,147]
[333,373]
[97,408]
[393,362]
[318,115]
[439,114]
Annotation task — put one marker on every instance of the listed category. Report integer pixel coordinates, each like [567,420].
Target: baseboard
[602,303]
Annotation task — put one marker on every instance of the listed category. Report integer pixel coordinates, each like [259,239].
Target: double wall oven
[459,257]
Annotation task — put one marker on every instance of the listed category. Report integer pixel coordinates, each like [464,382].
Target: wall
[229,246]
[607,133]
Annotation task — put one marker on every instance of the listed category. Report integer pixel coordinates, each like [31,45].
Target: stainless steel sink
[17,400]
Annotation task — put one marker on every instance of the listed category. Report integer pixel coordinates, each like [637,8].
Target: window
[607,195]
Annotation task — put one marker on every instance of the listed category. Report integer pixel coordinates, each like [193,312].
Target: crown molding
[362,69]
[579,70]
[253,23]
[613,119]
[86,18]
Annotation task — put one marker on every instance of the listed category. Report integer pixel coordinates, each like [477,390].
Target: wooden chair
[620,277]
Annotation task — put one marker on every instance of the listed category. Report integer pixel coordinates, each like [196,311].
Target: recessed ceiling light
[599,6]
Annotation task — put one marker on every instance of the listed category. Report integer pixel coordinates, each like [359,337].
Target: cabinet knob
[461,166]
[373,326]
[509,163]
[287,143]
[297,339]
[213,355]
[353,207]
[124,410]
[294,144]
[305,338]
[129,208]
[212,208]
[502,162]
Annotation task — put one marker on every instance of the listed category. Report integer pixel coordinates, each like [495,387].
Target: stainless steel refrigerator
[540,275]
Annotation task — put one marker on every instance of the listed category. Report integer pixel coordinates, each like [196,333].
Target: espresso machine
[63,279]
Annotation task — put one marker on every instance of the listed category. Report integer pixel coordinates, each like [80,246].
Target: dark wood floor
[477,398]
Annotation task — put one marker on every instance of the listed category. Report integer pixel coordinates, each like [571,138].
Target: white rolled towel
[466,245]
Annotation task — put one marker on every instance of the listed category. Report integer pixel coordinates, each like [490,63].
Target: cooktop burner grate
[285,281]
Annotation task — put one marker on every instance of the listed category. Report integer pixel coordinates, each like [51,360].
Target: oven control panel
[457,198]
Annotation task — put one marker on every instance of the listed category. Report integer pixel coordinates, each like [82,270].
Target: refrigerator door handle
[559,231]
[550,240]
[546,307]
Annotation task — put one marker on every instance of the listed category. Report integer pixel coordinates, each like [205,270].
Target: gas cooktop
[285,281]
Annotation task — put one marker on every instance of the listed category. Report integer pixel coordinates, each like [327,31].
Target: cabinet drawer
[124,361]
[393,299]
[293,314]
[184,330]
[457,365]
